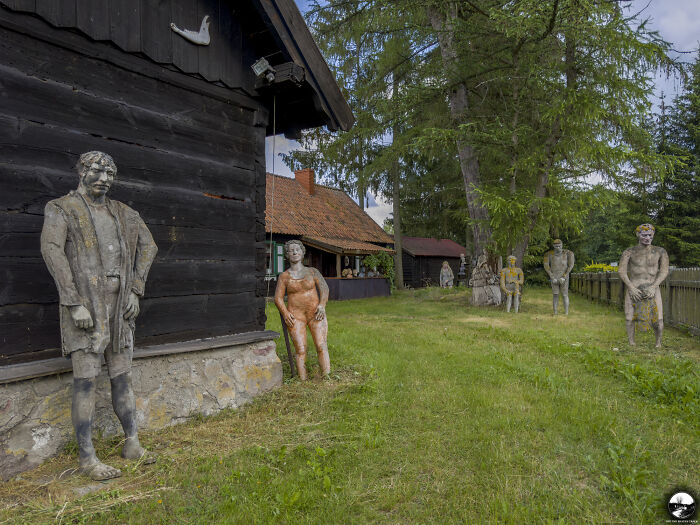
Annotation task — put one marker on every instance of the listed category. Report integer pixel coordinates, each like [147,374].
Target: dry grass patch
[286,417]
[489,321]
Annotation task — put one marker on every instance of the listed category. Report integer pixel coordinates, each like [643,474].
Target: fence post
[669,295]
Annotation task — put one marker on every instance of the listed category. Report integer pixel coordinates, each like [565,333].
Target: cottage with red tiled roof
[423,257]
[337,233]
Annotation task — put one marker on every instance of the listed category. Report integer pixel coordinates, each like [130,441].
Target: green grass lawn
[435,412]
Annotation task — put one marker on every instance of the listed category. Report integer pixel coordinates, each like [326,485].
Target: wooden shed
[186,124]
[423,258]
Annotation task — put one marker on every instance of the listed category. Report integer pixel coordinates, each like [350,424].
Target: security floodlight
[263,68]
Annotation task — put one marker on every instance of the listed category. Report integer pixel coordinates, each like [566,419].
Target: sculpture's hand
[132,307]
[289,319]
[81,317]
[320,313]
[649,292]
[635,293]
[554,280]
[562,281]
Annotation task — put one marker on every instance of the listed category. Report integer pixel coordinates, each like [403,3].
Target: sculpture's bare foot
[133,450]
[98,471]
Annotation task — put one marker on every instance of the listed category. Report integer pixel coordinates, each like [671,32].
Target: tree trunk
[396,204]
[550,152]
[457,99]
[398,257]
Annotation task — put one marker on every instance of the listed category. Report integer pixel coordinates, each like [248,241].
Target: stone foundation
[35,414]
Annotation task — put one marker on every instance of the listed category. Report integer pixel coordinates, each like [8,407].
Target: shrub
[599,268]
[383,262]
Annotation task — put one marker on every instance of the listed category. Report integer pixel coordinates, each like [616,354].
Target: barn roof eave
[292,33]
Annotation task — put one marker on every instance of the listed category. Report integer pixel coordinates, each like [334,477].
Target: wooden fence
[680,293]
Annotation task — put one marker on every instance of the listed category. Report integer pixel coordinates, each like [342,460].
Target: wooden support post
[337,265]
[668,307]
[290,356]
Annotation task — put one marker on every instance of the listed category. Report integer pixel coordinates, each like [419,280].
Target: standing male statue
[99,252]
[511,282]
[642,268]
[558,264]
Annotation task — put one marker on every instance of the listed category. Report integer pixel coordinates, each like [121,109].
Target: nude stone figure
[558,264]
[642,268]
[512,279]
[307,295]
[99,252]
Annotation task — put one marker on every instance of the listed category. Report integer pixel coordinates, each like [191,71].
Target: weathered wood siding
[190,161]
[425,271]
[143,26]
[680,293]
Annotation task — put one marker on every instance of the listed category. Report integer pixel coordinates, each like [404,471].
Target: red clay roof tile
[330,213]
[425,246]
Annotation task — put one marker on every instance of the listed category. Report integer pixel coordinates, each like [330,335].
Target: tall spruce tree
[530,97]
[677,197]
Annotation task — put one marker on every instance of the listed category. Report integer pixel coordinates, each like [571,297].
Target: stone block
[35,414]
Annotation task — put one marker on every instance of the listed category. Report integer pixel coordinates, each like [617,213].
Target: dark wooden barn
[186,125]
[423,257]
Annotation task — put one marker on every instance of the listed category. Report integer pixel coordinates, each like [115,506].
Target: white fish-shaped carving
[201,38]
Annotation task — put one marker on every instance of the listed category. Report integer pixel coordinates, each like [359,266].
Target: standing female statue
[306,306]
[447,277]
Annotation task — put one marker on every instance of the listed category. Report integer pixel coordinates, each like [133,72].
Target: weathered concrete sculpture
[558,264]
[307,295]
[512,279]
[99,252]
[462,273]
[485,290]
[447,277]
[642,268]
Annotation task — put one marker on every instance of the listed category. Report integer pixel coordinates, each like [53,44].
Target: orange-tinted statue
[307,295]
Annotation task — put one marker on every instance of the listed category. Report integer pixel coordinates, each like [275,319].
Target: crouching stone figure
[99,252]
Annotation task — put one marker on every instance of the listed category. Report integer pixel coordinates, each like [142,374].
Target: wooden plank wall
[143,26]
[190,164]
[680,294]
[410,270]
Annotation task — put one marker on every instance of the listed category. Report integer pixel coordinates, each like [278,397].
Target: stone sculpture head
[294,251]
[645,233]
[511,261]
[96,171]
[445,264]
[558,246]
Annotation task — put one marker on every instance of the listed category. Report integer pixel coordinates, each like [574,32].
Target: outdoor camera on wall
[262,68]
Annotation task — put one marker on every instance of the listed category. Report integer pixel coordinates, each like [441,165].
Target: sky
[677,21]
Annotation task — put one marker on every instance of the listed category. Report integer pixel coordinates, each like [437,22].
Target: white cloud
[273,162]
[380,211]
[677,21]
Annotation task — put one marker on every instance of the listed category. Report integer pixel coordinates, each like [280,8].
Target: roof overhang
[344,246]
[289,29]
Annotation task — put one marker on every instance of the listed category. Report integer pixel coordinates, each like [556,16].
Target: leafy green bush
[383,262]
[599,268]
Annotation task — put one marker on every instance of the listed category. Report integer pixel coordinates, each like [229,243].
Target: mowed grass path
[436,412]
